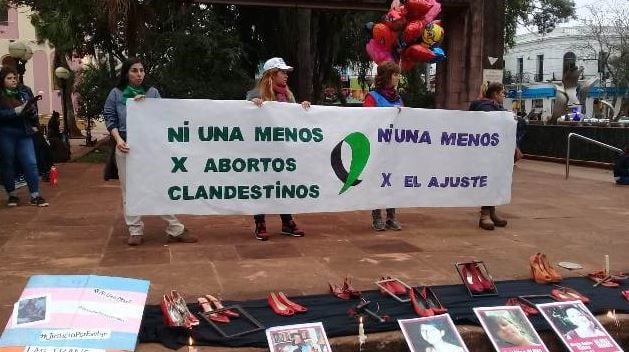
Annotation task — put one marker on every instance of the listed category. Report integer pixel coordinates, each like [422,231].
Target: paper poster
[509,330]
[577,327]
[298,338]
[435,334]
[85,313]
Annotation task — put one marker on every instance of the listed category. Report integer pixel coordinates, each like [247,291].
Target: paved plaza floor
[580,219]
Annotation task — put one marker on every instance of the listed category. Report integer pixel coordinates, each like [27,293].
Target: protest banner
[232,157]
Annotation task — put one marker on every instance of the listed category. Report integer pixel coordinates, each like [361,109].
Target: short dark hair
[493,88]
[123,81]
[4,72]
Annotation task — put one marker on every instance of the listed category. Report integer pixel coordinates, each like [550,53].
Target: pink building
[15,25]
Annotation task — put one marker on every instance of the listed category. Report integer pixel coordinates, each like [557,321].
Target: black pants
[286,218]
[42,153]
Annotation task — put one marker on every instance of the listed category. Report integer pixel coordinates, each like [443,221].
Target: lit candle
[606,264]
[190,347]
[361,331]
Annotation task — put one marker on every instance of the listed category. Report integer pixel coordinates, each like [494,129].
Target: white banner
[231,157]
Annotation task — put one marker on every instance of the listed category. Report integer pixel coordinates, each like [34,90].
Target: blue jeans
[16,145]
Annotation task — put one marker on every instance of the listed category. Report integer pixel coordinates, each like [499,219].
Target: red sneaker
[260,231]
[291,229]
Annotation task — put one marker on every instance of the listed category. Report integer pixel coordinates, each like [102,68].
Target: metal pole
[64,108]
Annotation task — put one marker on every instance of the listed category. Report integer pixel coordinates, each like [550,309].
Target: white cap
[276,62]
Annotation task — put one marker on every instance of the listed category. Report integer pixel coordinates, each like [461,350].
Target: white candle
[190,347]
[606,264]
[361,331]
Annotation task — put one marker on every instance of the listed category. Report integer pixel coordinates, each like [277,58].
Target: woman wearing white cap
[273,87]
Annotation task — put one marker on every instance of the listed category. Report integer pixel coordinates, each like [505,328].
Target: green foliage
[93,88]
[542,14]
[413,89]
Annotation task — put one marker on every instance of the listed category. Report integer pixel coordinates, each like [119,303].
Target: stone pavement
[580,219]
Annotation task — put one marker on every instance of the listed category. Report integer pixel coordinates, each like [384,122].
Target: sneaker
[135,240]
[393,224]
[185,237]
[378,224]
[291,229]
[260,231]
[13,201]
[39,202]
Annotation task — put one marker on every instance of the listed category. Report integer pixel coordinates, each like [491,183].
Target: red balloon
[383,35]
[413,31]
[419,53]
[407,64]
[416,9]
[395,19]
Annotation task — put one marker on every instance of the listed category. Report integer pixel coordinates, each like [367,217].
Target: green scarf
[131,92]
[11,92]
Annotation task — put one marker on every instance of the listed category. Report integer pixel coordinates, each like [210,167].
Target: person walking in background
[273,87]
[494,97]
[385,94]
[18,113]
[131,86]
[621,167]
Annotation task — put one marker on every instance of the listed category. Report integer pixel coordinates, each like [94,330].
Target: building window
[569,62]
[4,15]
[520,69]
[539,76]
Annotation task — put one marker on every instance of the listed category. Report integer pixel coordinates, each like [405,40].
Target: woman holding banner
[494,97]
[131,86]
[385,95]
[273,87]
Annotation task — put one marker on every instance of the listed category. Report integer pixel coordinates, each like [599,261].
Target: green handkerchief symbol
[360,147]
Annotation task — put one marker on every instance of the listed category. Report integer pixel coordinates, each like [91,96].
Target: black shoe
[260,231]
[291,229]
[13,201]
[39,202]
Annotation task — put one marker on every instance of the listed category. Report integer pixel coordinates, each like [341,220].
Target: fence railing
[590,140]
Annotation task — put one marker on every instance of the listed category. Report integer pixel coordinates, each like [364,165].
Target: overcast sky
[583,12]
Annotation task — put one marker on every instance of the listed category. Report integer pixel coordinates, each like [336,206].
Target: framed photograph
[577,327]
[298,338]
[31,310]
[509,330]
[432,334]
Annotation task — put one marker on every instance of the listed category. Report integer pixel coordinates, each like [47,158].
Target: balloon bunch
[408,33]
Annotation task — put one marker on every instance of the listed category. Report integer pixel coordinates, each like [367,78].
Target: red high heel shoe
[217,303]
[568,294]
[278,307]
[347,288]
[206,307]
[528,310]
[480,277]
[396,286]
[419,305]
[433,302]
[182,307]
[470,280]
[625,294]
[604,280]
[292,305]
[338,291]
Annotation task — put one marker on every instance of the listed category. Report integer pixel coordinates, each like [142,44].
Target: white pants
[134,222]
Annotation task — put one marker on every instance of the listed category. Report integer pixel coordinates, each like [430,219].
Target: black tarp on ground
[333,312]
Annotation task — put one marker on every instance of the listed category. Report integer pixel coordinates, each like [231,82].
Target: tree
[609,29]
[541,14]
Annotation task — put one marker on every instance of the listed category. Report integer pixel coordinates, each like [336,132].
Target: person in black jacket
[18,113]
[621,168]
[492,101]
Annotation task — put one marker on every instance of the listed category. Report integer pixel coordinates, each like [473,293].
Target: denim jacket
[23,122]
[115,111]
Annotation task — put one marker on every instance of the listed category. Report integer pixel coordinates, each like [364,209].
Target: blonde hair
[265,86]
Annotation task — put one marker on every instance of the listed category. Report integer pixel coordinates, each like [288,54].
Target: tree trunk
[66,99]
[304,57]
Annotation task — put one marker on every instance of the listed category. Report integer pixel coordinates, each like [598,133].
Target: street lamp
[63,74]
[21,52]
